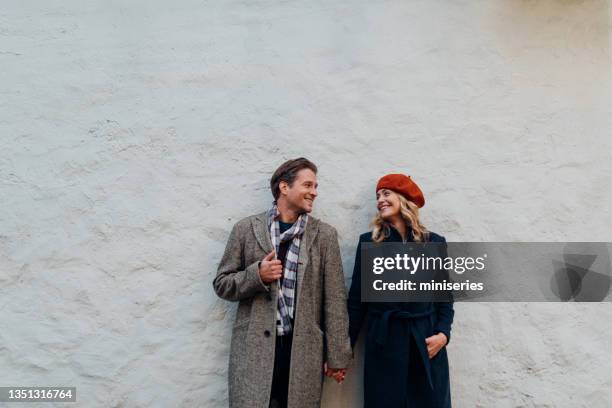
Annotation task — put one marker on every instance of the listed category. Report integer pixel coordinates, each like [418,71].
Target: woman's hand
[435,344]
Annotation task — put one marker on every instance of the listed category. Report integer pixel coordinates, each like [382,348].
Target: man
[284,268]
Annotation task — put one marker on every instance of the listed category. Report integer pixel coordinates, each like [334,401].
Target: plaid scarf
[286,291]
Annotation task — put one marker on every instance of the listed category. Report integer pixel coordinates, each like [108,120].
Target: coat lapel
[260,228]
[312,228]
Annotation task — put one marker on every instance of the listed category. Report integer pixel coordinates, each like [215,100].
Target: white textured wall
[133,134]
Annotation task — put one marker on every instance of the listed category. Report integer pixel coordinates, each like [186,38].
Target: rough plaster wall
[134,134]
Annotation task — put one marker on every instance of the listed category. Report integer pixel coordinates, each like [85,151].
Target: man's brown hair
[288,172]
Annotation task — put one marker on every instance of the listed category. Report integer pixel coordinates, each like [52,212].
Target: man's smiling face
[301,194]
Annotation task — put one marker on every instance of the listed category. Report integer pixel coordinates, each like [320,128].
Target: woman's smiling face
[387,203]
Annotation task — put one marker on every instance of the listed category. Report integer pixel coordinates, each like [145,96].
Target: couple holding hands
[294,322]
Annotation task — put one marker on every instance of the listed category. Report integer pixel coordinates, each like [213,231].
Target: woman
[405,364]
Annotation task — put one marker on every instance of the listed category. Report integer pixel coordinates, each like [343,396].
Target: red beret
[403,185]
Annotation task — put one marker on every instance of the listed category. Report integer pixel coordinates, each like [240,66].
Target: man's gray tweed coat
[320,330]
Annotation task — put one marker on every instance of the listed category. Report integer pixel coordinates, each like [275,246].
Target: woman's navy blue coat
[398,371]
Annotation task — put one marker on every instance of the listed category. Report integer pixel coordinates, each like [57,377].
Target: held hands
[270,269]
[337,373]
[435,344]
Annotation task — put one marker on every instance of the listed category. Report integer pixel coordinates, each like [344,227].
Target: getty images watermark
[486,272]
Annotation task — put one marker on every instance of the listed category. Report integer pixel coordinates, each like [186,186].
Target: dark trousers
[280,378]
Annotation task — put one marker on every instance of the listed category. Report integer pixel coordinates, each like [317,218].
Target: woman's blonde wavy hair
[410,213]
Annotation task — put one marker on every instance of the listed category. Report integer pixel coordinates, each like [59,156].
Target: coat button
[267,333]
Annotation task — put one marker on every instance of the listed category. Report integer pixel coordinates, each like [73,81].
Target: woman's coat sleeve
[444,310]
[356,309]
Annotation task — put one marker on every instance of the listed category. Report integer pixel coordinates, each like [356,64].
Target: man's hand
[337,373]
[270,269]
[435,344]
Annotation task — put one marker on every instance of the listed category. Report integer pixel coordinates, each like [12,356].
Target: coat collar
[260,228]
[395,236]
